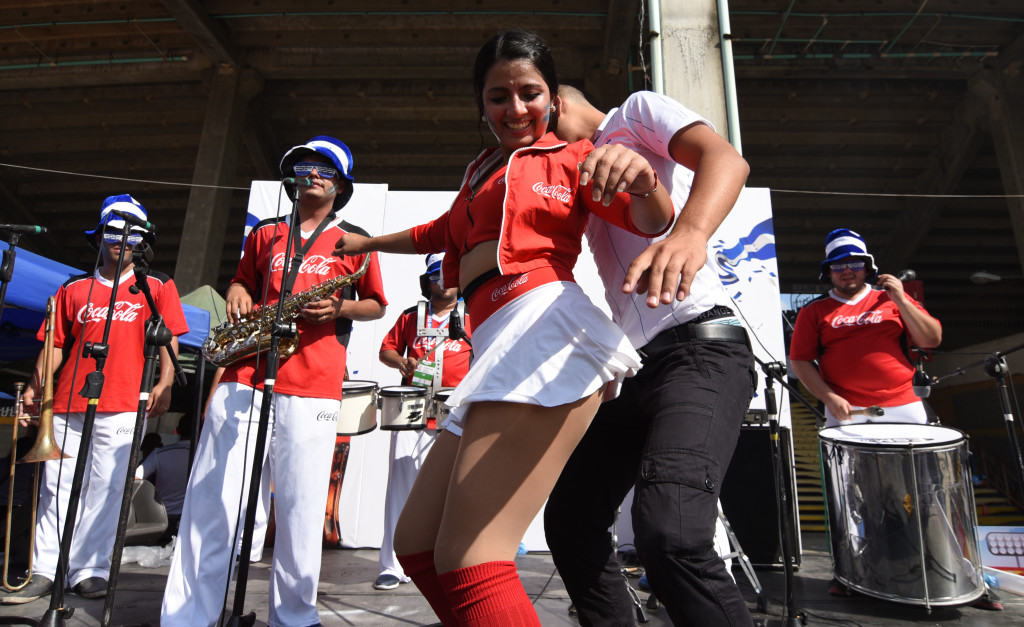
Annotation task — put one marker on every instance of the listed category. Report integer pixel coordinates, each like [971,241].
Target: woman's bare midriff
[480,259]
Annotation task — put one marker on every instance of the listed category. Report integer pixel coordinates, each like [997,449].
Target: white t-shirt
[646,123]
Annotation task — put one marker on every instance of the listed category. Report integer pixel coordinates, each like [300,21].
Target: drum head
[403,390]
[891,435]
[443,394]
[356,387]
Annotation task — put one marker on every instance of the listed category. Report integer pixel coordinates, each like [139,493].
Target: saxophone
[231,342]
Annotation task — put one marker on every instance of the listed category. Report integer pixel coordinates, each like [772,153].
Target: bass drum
[358,414]
[902,521]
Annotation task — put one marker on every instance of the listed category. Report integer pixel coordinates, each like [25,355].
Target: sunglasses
[839,266]
[305,168]
[115,238]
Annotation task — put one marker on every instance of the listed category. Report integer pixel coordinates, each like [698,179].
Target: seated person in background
[150,443]
[167,469]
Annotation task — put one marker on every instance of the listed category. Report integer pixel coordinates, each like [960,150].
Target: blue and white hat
[844,244]
[108,221]
[337,152]
[434,262]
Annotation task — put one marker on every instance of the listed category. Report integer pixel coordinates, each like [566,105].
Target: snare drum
[440,404]
[403,407]
[358,414]
[902,521]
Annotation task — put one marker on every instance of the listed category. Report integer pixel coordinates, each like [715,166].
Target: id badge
[424,374]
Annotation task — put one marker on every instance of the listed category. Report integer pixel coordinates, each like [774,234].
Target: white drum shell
[902,519]
[358,413]
[440,409]
[403,408]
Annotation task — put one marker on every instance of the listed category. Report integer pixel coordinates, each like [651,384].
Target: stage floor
[347,597]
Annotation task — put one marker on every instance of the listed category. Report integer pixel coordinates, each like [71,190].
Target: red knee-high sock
[420,568]
[489,594]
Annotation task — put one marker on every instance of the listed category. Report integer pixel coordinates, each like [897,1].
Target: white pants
[913,413]
[100,499]
[300,447]
[408,451]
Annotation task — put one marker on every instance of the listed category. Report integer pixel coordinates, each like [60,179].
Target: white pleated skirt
[549,347]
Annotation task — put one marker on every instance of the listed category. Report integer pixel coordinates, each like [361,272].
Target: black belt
[475,284]
[693,330]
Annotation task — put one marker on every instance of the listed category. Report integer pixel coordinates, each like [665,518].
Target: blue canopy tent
[35,279]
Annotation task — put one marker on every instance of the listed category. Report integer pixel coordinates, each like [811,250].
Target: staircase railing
[998,474]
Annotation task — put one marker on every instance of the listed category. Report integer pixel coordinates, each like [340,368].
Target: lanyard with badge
[427,369]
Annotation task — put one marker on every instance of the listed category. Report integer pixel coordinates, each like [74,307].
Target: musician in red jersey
[303,418]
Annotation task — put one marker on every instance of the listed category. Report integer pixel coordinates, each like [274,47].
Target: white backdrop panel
[743,248]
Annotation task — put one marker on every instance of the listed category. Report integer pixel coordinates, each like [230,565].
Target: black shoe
[38,588]
[91,588]
[386,582]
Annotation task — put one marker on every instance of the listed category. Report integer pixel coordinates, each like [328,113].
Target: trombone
[44,449]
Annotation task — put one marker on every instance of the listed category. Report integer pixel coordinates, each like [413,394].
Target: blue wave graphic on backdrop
[756,247]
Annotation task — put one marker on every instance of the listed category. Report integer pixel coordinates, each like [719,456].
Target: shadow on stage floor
[346,597]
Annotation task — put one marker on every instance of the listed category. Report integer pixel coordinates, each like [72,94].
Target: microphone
[134,220]
[23,228]
[922,383]
[906,275]
[300,181]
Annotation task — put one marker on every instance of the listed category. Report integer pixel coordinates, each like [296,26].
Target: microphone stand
[7,267]
[776,371]
[56,614]
[279,330]
[995,366]
[157,335]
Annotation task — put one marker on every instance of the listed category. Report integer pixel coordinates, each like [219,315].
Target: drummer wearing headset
[416,352]
[859,338]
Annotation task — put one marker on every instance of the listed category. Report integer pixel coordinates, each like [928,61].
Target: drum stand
[641,614]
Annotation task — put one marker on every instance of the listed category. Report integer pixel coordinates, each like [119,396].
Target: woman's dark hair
[511,45]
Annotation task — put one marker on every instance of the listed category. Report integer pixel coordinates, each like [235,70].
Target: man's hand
[351,244]
[839,407]
[893,286]
[665,266]
[238,302]
[613,168]
[30,409]
[407,366]
[322,311]
[159,401]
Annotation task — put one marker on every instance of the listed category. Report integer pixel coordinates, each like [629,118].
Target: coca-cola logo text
[314,264]
[126,431]
[556,192]
[502,290]
[327,416]
[123,310]
[857,320]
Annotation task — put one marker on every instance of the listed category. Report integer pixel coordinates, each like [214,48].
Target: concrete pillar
[1006,123]
[202,239]
[692,58]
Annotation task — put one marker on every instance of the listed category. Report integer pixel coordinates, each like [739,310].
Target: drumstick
[873,411]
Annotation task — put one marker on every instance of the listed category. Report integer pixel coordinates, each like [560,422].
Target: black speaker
[748,496]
